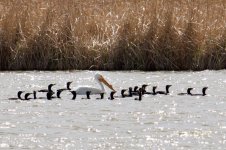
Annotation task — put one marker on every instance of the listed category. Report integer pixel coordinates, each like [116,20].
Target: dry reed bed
[112,34]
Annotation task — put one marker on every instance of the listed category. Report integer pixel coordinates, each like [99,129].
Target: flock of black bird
[142,91]
[130,92]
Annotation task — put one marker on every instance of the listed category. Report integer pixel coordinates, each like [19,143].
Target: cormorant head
[154,88]
[135,88]
[19,94]
[168,86]
[50,86]
[144,86]
[68,85]
[112,93]
[189,91]
[123,91]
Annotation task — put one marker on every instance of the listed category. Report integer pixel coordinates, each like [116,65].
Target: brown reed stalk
[112,35]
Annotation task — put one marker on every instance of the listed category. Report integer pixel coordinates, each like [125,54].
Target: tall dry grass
[112,34]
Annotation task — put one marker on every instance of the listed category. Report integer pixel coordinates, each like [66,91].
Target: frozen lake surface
[156,122]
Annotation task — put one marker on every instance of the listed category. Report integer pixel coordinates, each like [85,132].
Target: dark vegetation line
[112,35]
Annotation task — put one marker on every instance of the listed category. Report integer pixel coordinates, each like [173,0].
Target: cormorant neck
[35,97]
[130,92]
[19,95]
[111,96]
[144,88]
[204,92]
[122,93]
[50,87]
[74,95]
[189,91]
[49,95]
[167,89]
[135,88]
[153,90]
[140,94]
[68,85]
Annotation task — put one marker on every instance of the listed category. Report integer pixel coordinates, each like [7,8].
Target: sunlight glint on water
[170,122]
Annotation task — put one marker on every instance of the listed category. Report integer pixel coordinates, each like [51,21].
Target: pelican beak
[101,79]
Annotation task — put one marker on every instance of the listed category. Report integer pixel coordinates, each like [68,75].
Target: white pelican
[93,90]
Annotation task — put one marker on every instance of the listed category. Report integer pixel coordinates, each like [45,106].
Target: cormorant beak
[68,83]
[101,79]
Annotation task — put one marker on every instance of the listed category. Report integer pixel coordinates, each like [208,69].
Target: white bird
[94,90]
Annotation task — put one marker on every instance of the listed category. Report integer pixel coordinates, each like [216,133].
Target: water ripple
[157,122]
